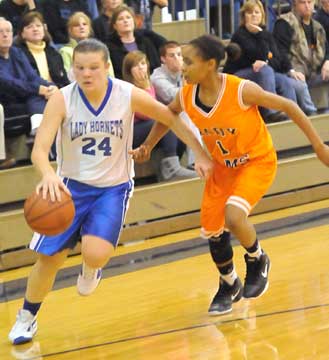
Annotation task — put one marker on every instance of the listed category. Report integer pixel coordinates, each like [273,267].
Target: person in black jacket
[144,11]
[34,40]
[124,38]
[101,25]
[56,14]
[13,10]
[262,62]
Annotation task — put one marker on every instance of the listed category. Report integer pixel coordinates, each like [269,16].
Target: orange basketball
[47,217]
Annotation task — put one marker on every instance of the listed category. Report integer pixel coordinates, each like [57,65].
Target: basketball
[47,217]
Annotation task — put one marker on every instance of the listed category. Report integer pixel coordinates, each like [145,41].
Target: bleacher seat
[17,125]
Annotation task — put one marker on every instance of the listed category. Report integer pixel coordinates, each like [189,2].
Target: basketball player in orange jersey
[92,120]
[225,110]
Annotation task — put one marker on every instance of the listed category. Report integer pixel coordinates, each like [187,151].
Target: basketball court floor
[152,302]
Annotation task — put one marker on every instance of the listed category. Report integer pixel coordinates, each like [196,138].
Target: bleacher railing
[206,8]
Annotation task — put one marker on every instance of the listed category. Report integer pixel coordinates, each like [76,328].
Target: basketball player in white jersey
[93,120]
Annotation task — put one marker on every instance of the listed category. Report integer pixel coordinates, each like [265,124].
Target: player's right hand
[52,183]
[204,166]
[322,153]
[141,154]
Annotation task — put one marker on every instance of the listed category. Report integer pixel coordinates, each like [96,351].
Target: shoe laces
[89,273]
[25,315]
[224,289]
[23,318]
[252,268]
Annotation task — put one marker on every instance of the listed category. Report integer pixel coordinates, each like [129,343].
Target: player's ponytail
[211,47]
[233,51]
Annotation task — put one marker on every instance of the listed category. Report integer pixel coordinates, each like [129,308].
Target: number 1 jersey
[233,132]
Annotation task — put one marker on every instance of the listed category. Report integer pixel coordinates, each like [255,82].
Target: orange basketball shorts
[242,186]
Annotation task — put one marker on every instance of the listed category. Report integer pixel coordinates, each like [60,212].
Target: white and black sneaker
[88,280]
[256,281]
[24,328]
[226,295]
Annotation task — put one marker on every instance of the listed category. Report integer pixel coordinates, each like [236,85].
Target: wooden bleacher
[163,208]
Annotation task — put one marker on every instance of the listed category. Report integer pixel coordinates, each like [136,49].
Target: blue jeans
[303,95]
[271,81]
[168,144]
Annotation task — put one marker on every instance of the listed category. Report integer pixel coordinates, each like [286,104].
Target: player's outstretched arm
[158,130]
[254,95]
[52,118]
[145,104]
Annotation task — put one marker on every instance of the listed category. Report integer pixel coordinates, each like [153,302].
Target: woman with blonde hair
[262,62]
[136,71]
[79,28]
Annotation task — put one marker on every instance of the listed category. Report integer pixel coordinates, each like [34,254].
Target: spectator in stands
[124,38]
[34,40]
[322,15]
[22,91]
[13,10]
[262,62]
[79,28]
[144,11]
[136,71]
[4,162]
[101,25]
[305,42]
[57,13]
[167,79]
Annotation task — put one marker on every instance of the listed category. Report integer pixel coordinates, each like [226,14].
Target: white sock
[257,253]
[230,278]
[87,271]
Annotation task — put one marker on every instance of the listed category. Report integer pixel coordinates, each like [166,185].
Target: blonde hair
[74,21]
[249,6]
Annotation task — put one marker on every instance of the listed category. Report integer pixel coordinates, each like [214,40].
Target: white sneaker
[24,328]
[88,280]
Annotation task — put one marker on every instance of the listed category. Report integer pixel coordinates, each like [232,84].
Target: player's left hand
[141,154]
[204,166]
[322,153]
[258,64]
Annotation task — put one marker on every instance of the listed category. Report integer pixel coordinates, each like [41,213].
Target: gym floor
[152,302]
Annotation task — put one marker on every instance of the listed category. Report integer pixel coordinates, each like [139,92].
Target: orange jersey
[233,132]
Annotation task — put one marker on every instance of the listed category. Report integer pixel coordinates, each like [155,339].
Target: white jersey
[92,144]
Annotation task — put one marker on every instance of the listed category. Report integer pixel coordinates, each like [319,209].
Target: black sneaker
[226,295]
[256,281]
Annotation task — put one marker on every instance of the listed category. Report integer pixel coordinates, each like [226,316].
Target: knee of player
[233,219]
[96,259]
[96,252]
